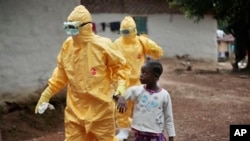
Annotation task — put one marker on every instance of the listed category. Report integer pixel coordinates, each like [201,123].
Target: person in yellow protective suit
[135,49]
[84,65]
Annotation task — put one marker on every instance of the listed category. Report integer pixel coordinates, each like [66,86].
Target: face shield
[72,28]
[127,32]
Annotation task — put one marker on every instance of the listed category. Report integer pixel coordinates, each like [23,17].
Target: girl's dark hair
[155,66]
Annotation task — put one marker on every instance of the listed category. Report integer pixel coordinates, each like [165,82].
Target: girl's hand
[121,103]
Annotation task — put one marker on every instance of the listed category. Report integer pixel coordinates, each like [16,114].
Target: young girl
[153,108]
[134,48]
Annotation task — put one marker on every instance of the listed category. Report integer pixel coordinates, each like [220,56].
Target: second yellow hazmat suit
[83,65]
[135,49]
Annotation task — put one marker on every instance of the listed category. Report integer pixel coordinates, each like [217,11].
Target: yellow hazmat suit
[84,65]
[135,49]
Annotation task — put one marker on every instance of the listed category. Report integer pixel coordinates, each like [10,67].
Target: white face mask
[72,28]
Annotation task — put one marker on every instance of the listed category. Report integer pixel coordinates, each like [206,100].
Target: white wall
[179,35]
[31,36]
[176,34]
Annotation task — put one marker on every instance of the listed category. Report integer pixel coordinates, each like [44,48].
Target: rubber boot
[123,134]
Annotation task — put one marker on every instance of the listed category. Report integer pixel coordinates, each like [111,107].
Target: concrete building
[31,36]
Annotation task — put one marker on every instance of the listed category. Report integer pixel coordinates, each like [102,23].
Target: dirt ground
[206,101]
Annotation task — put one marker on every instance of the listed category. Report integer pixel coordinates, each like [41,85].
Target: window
[141,24]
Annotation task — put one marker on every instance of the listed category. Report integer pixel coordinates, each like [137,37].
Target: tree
[225,12]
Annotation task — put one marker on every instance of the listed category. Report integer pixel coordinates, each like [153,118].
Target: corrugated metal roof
[129,6]
[227,38]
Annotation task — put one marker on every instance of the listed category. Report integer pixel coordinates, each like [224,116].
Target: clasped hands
[121,103]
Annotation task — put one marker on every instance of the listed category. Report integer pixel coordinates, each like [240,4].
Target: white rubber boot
[123,134]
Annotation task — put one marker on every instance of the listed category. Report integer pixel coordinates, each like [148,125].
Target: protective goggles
[73,25]
[72,28]
[126,32]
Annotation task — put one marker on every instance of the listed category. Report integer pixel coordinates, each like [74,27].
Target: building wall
[223,46]
[225,51]
[31,36]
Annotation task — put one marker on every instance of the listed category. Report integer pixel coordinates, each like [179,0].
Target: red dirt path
[205,101]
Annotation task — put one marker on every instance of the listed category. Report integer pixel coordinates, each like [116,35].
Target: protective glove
[120,90]
[41,104]
[44,106]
